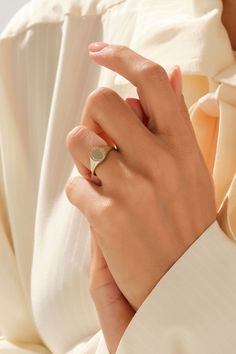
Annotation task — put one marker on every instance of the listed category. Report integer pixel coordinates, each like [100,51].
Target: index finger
[152,82]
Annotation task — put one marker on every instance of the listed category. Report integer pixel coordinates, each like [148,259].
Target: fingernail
[97,46]
[179,83]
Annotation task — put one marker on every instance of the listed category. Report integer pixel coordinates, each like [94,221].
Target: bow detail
[214,121]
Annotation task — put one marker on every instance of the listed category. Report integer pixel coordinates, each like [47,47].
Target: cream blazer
[45,77]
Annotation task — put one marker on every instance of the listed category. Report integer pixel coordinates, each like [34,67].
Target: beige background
[8,9]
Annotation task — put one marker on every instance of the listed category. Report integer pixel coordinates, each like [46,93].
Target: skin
[116,289]
[228,20]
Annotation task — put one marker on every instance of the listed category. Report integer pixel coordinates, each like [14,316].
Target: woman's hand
[113,309]
[156,195]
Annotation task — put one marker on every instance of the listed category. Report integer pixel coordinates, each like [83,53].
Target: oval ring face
[97,154]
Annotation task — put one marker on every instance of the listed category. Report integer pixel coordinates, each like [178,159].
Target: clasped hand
[152,199]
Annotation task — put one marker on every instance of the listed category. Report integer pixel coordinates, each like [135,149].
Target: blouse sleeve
[193,307]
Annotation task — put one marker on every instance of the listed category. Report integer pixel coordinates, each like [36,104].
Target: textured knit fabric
[45,78]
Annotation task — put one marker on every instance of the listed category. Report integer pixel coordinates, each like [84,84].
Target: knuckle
[77,134]
[70,188]
[101,94]
[150,69]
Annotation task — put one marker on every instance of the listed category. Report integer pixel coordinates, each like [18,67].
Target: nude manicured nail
[97,46]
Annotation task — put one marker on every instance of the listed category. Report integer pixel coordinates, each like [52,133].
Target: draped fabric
[45,78]
[213,119]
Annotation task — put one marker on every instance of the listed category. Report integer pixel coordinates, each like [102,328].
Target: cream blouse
[45,77]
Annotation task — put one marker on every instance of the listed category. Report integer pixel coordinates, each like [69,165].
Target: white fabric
[45,77]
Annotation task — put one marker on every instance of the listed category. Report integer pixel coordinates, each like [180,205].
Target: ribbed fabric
[45,78]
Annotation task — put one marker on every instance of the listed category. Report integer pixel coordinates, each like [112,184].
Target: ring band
[98,154]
